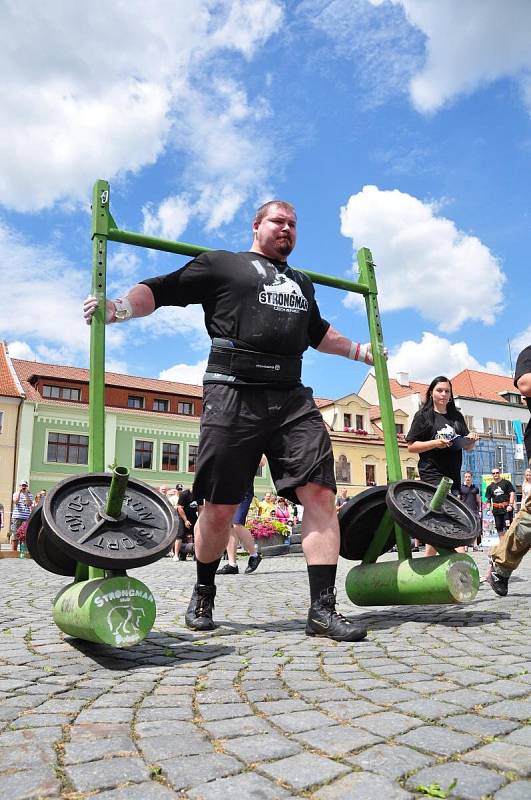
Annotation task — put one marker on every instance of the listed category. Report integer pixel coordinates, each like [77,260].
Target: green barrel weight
[118,611]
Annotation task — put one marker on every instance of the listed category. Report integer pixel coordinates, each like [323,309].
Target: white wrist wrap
[358,352]
[124,310]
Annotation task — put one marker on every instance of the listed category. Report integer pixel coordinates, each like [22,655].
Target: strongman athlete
[261,316]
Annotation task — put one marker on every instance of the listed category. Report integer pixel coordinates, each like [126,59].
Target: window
[347,420]
[160,405]
[259,471]
[399,426]
[342,470]
[499,457]
[1,421]
[370,475]
[143,454]
[411,473]
[67,448]
[469,422]
[192,457]
[170,457]
[61,392]
[185,408]
[134,401]
[359,422]
[495,426]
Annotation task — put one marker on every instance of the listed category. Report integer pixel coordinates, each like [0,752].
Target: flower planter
[276,545]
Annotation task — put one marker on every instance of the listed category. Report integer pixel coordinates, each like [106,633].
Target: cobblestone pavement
[436,696]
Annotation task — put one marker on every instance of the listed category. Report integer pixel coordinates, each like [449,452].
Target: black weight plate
[32,534]
[453,526]
[358,520]
[52,557]
[144,533]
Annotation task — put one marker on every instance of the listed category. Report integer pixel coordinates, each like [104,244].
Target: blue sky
[399,125]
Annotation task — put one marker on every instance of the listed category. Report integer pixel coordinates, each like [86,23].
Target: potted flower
[271,535]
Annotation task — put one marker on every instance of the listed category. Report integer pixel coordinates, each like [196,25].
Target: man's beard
[284,246]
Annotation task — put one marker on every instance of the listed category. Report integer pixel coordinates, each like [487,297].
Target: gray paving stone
[304,770]
[514,709]
[362,785]
[31,783]
[282,706]
[467,698]
[158,714]
[503,755]
[349,709]
[229,711]
[81,751]
[427,709]
[196,769]
[390,760]
[472,677]
[479,726]
[473,783]
[302,721]
[106,715]
[137,791]
[521,736]
[337,740]
[106,774]
[439,741]
[164,728]
[242,726]
[261,747]
[158,748]
[247,785]
[387,723]
[38,754]
[509,688]
[389,696]
[519,790]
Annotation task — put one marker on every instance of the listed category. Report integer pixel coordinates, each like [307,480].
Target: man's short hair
[263,210]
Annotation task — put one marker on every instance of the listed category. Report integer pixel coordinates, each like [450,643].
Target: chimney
[403,379]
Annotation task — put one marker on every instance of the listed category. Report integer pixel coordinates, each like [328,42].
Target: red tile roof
[482,385]
[8,383]
[26,369]
[397,390]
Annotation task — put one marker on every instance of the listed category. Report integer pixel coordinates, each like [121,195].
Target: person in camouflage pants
[506,556]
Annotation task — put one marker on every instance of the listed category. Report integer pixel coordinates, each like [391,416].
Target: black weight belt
[228,364]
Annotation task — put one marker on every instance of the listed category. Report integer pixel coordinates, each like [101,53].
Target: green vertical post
[100,226]
[115,497]
[441,494]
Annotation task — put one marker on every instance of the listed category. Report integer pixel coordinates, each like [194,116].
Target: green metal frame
[104,229]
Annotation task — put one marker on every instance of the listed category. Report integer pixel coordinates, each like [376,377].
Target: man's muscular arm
[139,300]
[335,343]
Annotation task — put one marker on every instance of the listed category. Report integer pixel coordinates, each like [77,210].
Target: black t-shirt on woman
[258,303]
[435,464]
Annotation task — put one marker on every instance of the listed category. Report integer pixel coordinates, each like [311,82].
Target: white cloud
[42,293]
[422,259]
[435,355]
[102,88]
[22,350]
[169,220]
[520,341]
[468,45]
[185,373]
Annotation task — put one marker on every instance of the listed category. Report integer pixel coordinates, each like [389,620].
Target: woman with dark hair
[438,433]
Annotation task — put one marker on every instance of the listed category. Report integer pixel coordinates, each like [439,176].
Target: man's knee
[317,498]
[220,514]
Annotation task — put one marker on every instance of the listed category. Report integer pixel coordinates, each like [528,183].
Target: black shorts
[501,520]
[240,423]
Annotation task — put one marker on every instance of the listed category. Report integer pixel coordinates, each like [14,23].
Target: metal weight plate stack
[358,520]
[72,526]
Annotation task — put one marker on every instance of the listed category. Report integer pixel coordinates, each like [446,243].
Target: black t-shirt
[468,494]
[186,500]
[259,304]
[435,464]
[523,365]
[499,493]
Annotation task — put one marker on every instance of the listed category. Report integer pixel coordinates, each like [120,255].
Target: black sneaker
[198,615]
[253,563]
[228,569]
[498,583]
[323,620]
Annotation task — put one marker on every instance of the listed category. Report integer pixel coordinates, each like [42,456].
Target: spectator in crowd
[267,505]
[39,498]
[526,487]
[342,498]
[502,498]
[187,511]
[470,496]
[22,507]
[239,533]
[522,381]
[438,433]
[282,511]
